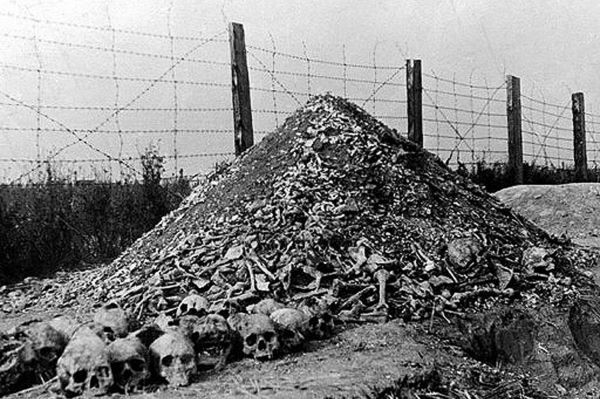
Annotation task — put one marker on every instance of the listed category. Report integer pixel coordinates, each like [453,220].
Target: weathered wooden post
[240,90]
[414,101]
[579,146]
[515,141]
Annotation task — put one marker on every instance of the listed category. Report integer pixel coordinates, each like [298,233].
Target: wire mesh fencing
[464,123]
[284,81]
[92,114]
[93,111]
[547,132]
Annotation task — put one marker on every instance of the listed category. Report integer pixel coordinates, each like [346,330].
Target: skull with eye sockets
[173,358]
[84,365]
[129,362]
[259,336]
[112,322]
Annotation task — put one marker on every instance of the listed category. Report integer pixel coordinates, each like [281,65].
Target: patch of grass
[60,224]
[495,176]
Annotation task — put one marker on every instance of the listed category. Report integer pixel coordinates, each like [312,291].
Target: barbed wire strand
[552,127]
[435,76]
[112,108]
[117,50]
[98,28]
[319,61]
[114,131]
[374,93]
[65,128]
[111,77]
[281,85]
[113,159]
[462,136]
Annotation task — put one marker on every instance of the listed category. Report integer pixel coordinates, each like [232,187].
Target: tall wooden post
[240,89]
[414,101]
[515,141]
[579,146]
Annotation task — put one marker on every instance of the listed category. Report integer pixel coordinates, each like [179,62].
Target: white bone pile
[107,355]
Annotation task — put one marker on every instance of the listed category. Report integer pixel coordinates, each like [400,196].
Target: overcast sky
[552,45]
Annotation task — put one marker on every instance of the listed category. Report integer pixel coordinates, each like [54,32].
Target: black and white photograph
[334,199]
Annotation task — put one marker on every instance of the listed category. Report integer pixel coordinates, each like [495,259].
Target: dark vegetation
[57,224]
[495,176]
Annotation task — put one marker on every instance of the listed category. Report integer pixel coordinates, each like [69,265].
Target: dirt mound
[572,210]
[326,207]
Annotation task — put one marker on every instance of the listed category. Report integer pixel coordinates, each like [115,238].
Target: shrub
[60,224]
[495,176]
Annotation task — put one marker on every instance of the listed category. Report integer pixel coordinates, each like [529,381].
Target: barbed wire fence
[136,116]
[184,102]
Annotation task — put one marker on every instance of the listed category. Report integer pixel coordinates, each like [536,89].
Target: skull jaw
[128,380]
[178,379]
[96,384]
[261,354]
[213,358]
[76,389]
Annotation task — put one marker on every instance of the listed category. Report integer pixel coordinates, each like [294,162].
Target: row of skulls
[105,355]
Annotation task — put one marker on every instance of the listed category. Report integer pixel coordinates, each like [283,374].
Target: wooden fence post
[515,141]
[579,146]
[240,88]
[414,101]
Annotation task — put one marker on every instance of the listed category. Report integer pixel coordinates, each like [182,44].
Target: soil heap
[319,212]
[567,209]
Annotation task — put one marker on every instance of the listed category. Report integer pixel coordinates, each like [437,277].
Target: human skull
[463,251]
[148,334]
[213,341]
[128,359]
[113,321]
[173,358]
[265,306]
[193,304]
[84,365]
[320,325]
[47,345]
[259,337]
[163,321]
[291,324]
[65,325]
